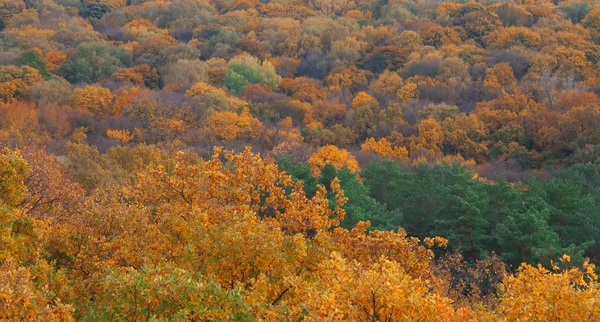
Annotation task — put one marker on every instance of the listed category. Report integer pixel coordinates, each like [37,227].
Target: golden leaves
[384,148]
[13,171]
[93,98]
[124,136]
[229,126]
[331,154]
[500,77]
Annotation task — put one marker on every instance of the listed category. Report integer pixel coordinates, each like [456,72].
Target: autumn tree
[13,174]
[363,116]
[431,136]
[93,98]
[228,126]
[331,154]
[384,148]
[466,136]
[500,77]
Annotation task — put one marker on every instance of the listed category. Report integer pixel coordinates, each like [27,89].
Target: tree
[245,70]
[363,117]
[386,85]
[94,10]
[93,98]
[9,8]
[228,126]
[185,73]
[431,135]
[143,75]
[466,135]
[54,60]
[513,15]
[156,291]
[517,36]
[554,294]
[385,58]
[33,59]
[346,78]
[92,62]
[385,149]
[476,20]
[443,200]
[330,154]
[576,10]
[525,236]
[124,136]
[14,170]
[437,36]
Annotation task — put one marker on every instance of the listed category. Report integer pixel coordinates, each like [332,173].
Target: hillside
[317,160]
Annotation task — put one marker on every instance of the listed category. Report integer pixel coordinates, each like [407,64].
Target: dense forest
[299,160]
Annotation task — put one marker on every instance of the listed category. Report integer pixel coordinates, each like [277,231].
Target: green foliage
[575,11]
[33,59]
[163,293]
[525,236]
[94,10]
[245,70]
[92,62]
[521,225]
[359,207]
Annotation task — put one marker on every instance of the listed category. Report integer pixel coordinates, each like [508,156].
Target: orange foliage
[54,59]
[500,77]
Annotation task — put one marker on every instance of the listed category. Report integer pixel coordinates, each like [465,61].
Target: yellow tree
[431,136]
[13,172]
[123,136]
[363,117]
[331,154]
[384,148]
[93,98]
[500,76]
[536,292]
[386,85]
[466,136]
[229,126]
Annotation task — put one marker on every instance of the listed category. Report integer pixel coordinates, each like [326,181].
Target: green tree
[359,207]
[245,70]
[525,236]
[92,62]
[33,59]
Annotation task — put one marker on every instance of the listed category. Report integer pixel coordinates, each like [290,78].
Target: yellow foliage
[535,292]
[500,77]
[384,148]
[229,126]
[124,136]
[362,98]
[330,154]
[407,91]
[431,135]
[204,88]
[387,84]
[93,98]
